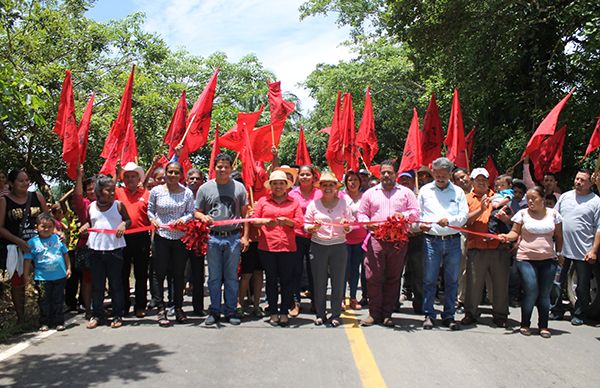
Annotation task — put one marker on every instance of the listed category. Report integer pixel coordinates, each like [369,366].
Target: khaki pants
[480,262]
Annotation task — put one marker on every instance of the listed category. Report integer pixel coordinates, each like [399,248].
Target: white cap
[479,171]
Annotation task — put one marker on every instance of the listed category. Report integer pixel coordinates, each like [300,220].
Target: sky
[271,29]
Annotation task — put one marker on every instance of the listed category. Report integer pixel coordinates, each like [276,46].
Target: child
[501,200]
[52,268]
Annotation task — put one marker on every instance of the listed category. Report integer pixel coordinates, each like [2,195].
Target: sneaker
[171,311]
[234,320]
[451,324]
[210,320]
[575,321]
[555,316]
[60,327]
[258,312]
[92,323]
[428,324]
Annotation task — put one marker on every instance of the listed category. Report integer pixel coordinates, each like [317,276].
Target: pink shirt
[378,204]
[536,241]
[328,234]
[303,201]
[358,234]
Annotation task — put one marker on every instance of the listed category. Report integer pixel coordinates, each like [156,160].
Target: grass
[9,328]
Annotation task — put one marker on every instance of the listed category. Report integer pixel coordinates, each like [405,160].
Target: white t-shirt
[536,235]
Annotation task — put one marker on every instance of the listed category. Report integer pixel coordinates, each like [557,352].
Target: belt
[448,237]
[224,234]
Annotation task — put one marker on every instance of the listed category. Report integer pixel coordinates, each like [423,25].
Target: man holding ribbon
[385,260]
[443,205]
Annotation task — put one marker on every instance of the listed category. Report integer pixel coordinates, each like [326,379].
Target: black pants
[72,284]
[169,254]
[279,271]
[137,252]
[107,264]
[302,258]
[51,297]
[197,267]
[413,274]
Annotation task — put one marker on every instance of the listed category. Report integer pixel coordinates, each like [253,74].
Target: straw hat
[328,176]
[278,175]
[131,166]
[289,170]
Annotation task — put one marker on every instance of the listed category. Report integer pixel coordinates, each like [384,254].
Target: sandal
[274,320]
[525,331]
[163,321]
[116,323]
[92,323]
[180,316]
[545,333]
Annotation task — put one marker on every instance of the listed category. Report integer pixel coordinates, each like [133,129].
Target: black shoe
[451,324]
[500,322]
[555,316]
[428,324]
[468,320]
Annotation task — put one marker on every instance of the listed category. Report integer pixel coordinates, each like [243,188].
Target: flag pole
[251,192]
[272,135]
[235,161]
[187,131]
[417,183]
[363,161]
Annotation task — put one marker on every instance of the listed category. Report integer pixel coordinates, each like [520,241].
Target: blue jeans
[537,277]
[356,256]
[223,257]
[437,252]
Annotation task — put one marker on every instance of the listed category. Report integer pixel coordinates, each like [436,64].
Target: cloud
[269,28]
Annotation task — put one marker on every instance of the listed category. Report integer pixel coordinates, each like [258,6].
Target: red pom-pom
[195,237]
[395,229]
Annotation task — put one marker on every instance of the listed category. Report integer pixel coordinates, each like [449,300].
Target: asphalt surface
[303,355]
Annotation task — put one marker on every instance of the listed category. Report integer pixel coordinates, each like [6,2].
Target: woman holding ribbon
[106,215]
[279,214]
[170,204]
[325,219]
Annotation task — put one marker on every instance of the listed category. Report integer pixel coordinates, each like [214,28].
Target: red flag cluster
[74,138]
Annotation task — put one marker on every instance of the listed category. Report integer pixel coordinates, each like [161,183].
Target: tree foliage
[511,60]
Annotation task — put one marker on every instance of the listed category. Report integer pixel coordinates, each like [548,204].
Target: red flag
[177,126]
[84,129]
[470,142]
[492,170]
[246,156]
[216,150]
[594,140]
[302,155]
[349,131]
[234,138]
[258,189]
[278,108]
[432,135]
[129,153]
[455,138]
[334,153]
[546,127]
[66,127]
[162,162]
[375,169]
[262,139]
[411,157]
[366,137]
[548,158]
[121,129]
[198,121]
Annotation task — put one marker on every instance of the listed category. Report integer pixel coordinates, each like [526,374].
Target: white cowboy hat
[131,166]
[278,175]
[328,176]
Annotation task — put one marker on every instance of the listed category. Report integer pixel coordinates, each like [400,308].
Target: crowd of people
[509,241]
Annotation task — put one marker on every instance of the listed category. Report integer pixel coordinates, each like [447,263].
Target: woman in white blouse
[170,204]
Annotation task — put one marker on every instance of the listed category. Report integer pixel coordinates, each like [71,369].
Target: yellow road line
[363,358]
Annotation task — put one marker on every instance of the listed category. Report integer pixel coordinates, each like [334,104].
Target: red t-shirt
[279,238]
[136,205]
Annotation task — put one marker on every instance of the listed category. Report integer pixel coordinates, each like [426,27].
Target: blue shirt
[449,203]
[47,255]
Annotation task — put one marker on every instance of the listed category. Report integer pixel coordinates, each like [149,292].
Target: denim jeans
[537,277]
[223,257]
[51,297]
[107,264]
[438,252]
[583,269]
[356,256]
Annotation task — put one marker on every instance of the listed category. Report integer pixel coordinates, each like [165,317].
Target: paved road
[255,354]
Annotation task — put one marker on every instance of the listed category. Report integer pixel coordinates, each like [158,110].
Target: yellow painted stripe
[363,358]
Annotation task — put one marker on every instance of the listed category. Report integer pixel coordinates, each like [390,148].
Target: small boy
[52,268]
[501,200]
